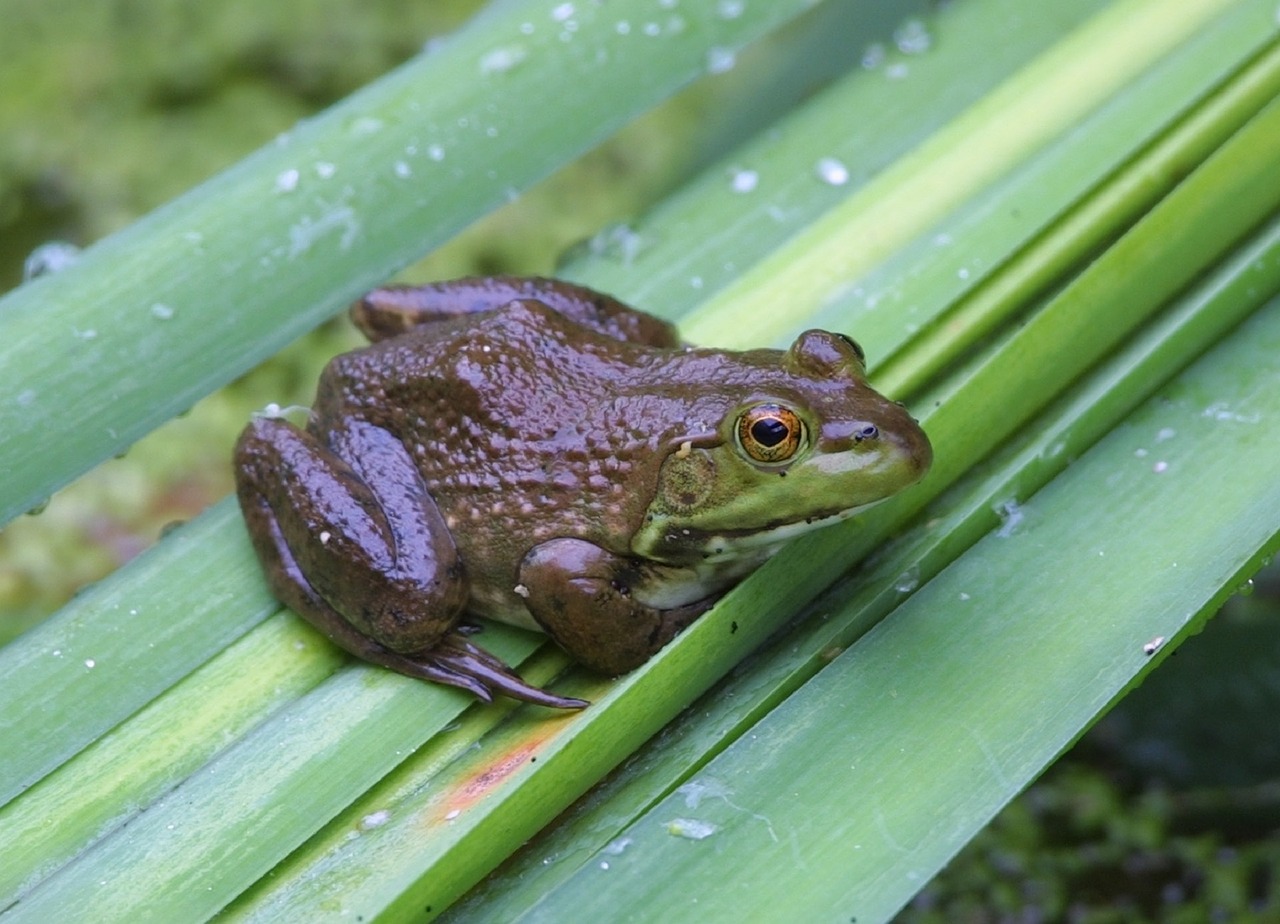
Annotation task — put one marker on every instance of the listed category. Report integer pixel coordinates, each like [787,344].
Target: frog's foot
[459,663]
[586,598]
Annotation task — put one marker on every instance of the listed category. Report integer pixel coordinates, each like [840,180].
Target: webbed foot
[458,662]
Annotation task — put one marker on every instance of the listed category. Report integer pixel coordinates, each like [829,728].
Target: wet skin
[537,453]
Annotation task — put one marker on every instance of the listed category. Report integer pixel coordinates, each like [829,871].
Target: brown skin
[538,453]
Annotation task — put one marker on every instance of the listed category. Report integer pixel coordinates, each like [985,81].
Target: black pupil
[769,431]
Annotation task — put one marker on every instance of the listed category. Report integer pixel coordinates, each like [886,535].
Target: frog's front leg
[587,599]
[374,569]
[393,310]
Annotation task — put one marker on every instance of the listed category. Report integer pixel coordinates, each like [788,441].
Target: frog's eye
[770,433]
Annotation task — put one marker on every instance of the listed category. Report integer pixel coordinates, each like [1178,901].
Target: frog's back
[524,425]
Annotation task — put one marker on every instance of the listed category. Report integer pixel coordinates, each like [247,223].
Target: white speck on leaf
[691,829]
[304,234]
[366,125]
[912,37]
[616,846]
[744,181]
[720,60]
[1220,410]
[832,171]
[1012,516]
[501,60]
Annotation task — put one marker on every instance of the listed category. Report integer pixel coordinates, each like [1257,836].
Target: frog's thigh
[380,558]
[580,594]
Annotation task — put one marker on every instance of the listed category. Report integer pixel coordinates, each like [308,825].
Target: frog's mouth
[721,547]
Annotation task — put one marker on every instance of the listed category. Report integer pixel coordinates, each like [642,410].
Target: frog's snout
[912,447]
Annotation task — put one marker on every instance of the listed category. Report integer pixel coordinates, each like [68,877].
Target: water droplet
[1011,513]
[435,152]
[912,37]
[50,257]
[161,311]
[90,663]
[86,334]
[325,169]
[744,181]
[873,56]
[38,507]
[287,181]
[616,846]
[562,12]
[375,820]
[501,60]
[720,60]
[897,71]
[1165,433]
[366,125]
[832,171]
[402,170]
[623,27]
[691,828]
[618,242]
[730,9]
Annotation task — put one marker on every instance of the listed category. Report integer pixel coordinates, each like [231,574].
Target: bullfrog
[537,453]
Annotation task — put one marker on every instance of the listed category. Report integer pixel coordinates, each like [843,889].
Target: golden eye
[770,433]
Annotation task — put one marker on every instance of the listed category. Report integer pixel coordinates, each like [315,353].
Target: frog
[533,452]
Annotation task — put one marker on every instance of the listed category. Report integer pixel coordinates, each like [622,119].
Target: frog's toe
[457,662]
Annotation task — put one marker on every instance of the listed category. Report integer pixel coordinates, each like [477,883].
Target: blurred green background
[1167,811]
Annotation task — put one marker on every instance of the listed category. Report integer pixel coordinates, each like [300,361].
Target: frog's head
[806,443]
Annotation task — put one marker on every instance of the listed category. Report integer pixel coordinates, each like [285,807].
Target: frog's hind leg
[268,457]
[393,310]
